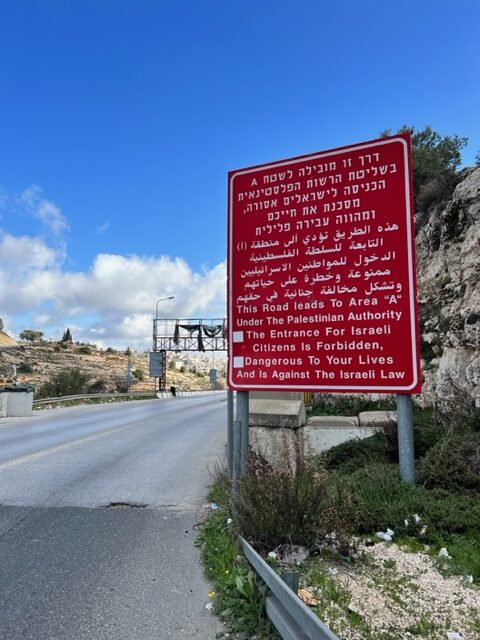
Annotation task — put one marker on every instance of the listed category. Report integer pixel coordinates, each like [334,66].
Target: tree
[435,162]
[67,336]
[1,324]
[30,335]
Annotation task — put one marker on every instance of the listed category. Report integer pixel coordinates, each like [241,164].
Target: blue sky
[120,119]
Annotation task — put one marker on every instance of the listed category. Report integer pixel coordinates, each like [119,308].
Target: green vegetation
[30,335]
[354,490]
[25,367]
[67,336]
[139,374]
[293,502]
[85,349]
[334,405]
[239,598]
[67,382]
[436,159]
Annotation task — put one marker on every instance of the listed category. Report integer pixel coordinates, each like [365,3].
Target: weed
[292,502]
[240,595]
[464,551]
[475,620]
[424,627]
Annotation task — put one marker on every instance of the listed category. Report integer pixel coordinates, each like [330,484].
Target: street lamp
[161,300]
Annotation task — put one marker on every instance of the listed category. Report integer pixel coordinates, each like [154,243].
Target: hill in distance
[106,369]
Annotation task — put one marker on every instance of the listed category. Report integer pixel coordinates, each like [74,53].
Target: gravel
[397,594]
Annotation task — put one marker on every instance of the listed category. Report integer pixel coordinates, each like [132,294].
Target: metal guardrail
[140,394]
[88,396]
[292,618]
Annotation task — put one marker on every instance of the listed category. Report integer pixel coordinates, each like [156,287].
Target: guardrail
[139,394]
[292,618]
[88,396]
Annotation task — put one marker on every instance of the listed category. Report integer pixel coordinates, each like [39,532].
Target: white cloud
[44,210]
[24,253]
[114,299]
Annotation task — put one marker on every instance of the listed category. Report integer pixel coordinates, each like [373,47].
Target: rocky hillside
[448,264]
[6,340]
[106,369]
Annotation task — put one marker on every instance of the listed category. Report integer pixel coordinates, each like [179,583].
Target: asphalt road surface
[99,507]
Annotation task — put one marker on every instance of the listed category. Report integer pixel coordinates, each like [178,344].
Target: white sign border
[411,277]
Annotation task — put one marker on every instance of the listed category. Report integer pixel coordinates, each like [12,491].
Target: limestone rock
[448,265]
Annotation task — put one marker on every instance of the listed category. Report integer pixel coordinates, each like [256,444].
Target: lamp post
[155,321]
[161,300]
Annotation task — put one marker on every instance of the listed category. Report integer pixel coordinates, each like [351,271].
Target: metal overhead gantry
[184,334]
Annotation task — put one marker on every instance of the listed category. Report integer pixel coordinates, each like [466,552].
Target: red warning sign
[321,272]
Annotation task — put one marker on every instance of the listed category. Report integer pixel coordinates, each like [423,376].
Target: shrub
[351,455]
[98,386]
[84,349]
[453,464]
[382,447]
[350,405]
[121,385]
[426,433]
[448,513]
[25,367]
[380,499]
[68,382]
[139,374]
[288,503]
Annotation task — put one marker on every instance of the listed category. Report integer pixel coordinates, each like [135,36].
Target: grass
[239,597]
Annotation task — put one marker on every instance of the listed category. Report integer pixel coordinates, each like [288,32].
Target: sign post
[321,273]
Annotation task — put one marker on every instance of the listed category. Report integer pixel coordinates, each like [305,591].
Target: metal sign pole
[236,447]
[230,432]
[406,449]
[243,416]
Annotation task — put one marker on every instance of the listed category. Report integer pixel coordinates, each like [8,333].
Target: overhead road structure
[184,334]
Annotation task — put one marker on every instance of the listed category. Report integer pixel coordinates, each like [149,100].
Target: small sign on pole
[157,364]
[321,272]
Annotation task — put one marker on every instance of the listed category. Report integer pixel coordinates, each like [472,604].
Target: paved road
[74,563]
